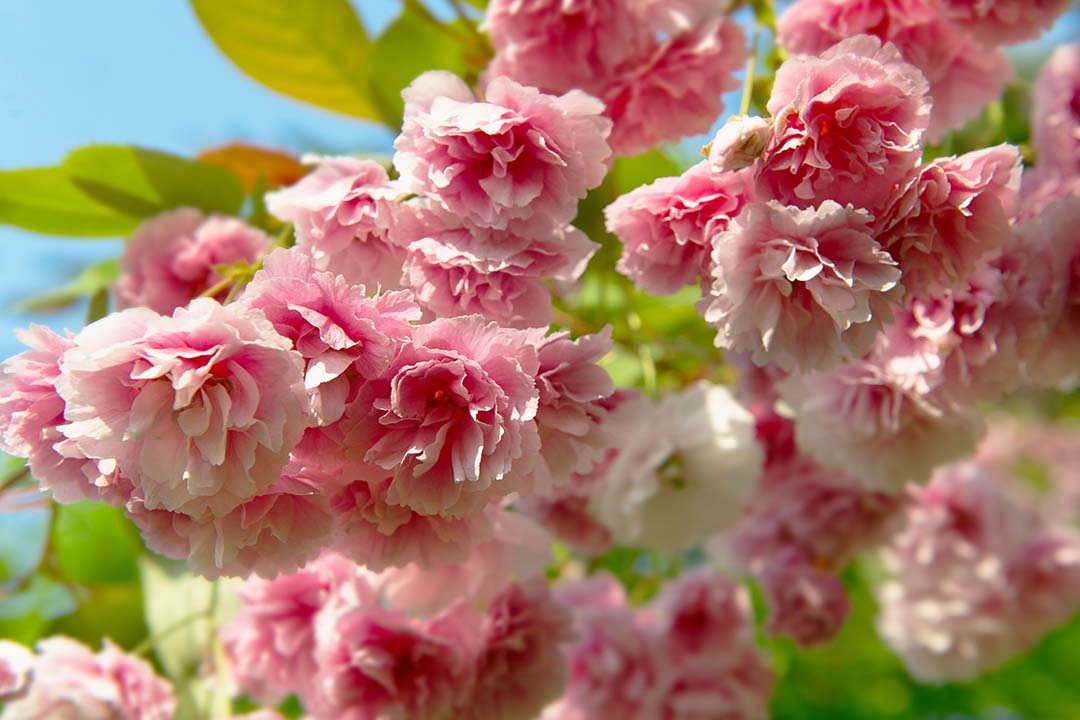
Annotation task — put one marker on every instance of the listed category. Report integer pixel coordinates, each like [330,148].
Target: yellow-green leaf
[45,200]
[311,50]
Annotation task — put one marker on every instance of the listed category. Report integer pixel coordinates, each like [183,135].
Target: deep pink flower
[271,639]
[520,668]
[198,410]
[518,156]
[675,88]
[453,419]
[335,326]
[1055,113]
[377,663]
[31,411]
[1003,22]
[846,125]
[68,680]
[171,258]
[949,215]
[963,75]
[800,288]
[344,215]
[557,45]
[665,227]
[806,603]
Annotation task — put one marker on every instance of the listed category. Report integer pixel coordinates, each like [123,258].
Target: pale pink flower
[198,410]
[31,411]
[1055,113]
[665,227]
[976,578]
[675,88]
[335,326]
[556,45]
[846,125]
[371,531]
[518,156]
[800,288]
[172,257]
[453,419]
[685,468]
[70,681]
[1040,186]
[344,215]
[949,215]
[573,389]
[520,668]
[806,603]
[277,531]
[377,663]
[963,75]
[882,420]
[1003,22]
[738,143]
[271,639]
[16,666]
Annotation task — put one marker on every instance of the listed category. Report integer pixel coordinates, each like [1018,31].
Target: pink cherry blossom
[271,639]
[172,257]
[277,531]
[948,215]
[963,75]
[573,390]
[800,288]
[1055,113]
[520,668]
[975,578]
[344,215]
[884,420]
[675,88]
[453,419]
[68,680]
[846,125]
[371,531]
[806,603]
[375,662]
[738,143]
[335,326]
[518,156]
[31,411]
[198,410]
[665,227]
[1003,22]
[556,45]
[1059,358]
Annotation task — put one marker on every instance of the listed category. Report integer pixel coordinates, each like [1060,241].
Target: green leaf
[411,45]
[139,182]
[45,200]
[95,544]
[92,279]
[312,50]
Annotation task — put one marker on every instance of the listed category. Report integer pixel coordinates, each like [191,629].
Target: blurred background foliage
[81,569]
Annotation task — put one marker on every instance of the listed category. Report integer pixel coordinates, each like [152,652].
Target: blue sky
[142,72]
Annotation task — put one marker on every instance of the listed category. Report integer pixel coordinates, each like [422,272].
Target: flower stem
[751,72]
